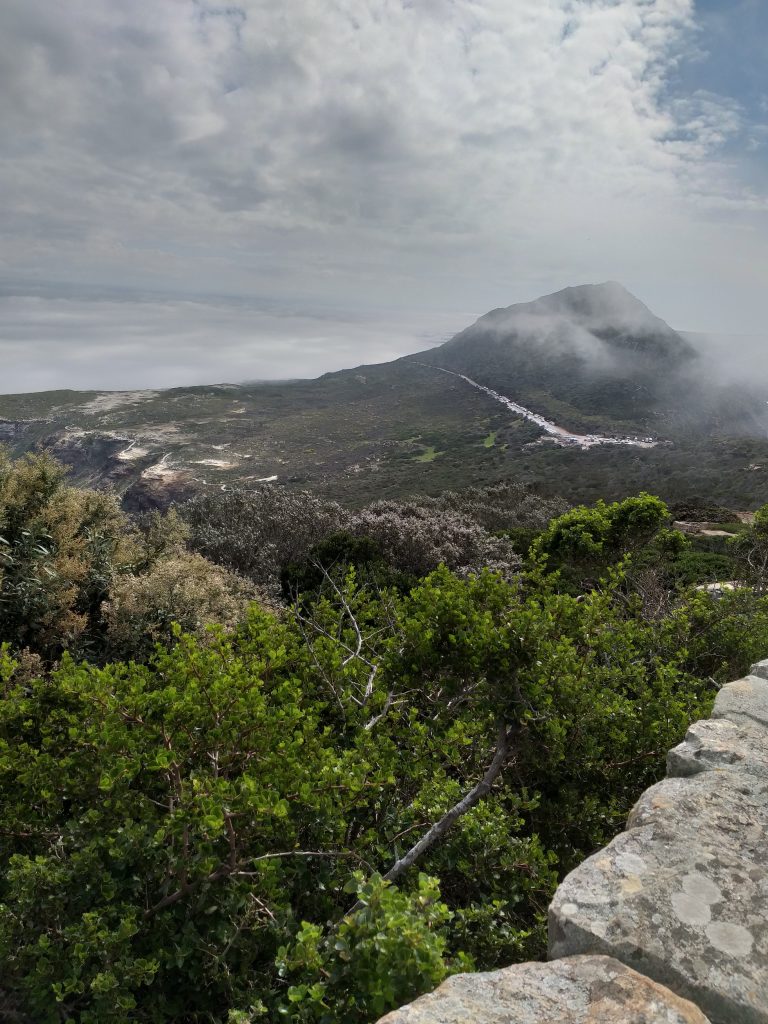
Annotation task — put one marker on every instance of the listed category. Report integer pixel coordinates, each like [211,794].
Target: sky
[199,192]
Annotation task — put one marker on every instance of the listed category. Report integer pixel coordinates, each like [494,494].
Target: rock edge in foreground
[579,990]
[673,909]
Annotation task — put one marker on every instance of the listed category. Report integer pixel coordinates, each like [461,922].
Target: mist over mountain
[595,318]
[584,392]
[732,358]
[599,352]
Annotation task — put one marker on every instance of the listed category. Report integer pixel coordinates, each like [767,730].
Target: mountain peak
[607,306]
[606,301]
[604,290]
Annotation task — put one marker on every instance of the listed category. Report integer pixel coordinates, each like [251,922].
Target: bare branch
[467,802]
[320,668]
[369,684]
[230,870]
[373,722]
[324,632]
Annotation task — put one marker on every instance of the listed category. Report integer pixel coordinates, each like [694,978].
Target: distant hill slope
[588,360]
[594,356]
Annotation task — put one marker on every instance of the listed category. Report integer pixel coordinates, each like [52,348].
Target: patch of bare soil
[110,400]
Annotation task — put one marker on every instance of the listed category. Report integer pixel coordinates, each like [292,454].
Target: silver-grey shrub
[416,538]
[257,533]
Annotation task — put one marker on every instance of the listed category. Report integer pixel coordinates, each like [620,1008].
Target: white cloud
[104,343]
[439,154]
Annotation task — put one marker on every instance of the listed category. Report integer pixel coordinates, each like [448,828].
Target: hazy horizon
[731,357]
[198,193]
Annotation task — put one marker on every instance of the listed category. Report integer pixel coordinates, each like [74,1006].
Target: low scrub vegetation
[265,758]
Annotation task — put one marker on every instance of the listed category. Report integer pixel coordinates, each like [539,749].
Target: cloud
[422,156]
[108,342]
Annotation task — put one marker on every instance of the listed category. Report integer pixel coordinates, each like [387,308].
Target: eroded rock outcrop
[721,744]
[670,920]
[579,990]
[745,700]
[682,896]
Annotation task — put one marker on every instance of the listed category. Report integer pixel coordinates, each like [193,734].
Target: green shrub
[389,950]
[77,575]
[178,840]
[317,815]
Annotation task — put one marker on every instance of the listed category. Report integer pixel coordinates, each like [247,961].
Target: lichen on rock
[579,990]
[696,917]
[670,920]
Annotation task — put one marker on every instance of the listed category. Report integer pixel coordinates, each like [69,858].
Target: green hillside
[593,360]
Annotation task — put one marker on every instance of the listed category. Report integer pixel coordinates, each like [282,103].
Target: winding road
[558,434]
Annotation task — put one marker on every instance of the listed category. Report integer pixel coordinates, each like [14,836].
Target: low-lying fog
[51,342]
[734,358]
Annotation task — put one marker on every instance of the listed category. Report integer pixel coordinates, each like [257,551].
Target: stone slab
[746,700]
[721,745]
[579,990]
[682,896]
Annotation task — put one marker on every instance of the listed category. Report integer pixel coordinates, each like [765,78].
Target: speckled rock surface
[682,896]
[579,990]
[746,700]
[760,669]
[721,745]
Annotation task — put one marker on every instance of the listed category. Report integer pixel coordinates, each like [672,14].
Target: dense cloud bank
[50,342]
[428,158]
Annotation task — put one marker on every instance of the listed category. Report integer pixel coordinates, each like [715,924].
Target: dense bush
[751,551]
[60,548]
[332,557]
[182,590]
[586,541]
[416,538]
[316,812]
[500,507]
[185,839]
[258,533]
[270,532]
[77,574]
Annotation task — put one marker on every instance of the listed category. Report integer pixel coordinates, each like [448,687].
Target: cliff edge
[669,923]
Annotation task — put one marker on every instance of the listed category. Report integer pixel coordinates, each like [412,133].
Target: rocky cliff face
[668,924]
[14,430]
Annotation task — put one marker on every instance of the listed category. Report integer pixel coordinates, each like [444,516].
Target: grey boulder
[579,990]
[746,700]
[682,896]
[721,745]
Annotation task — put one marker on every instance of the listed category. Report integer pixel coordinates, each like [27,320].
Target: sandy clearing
[109,400]
[215,463]
[160,471]
[132,452]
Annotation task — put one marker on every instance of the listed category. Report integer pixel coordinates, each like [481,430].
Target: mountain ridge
[595,349]
[591,359]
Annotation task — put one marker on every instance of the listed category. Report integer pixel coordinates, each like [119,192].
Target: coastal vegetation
[265,757]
